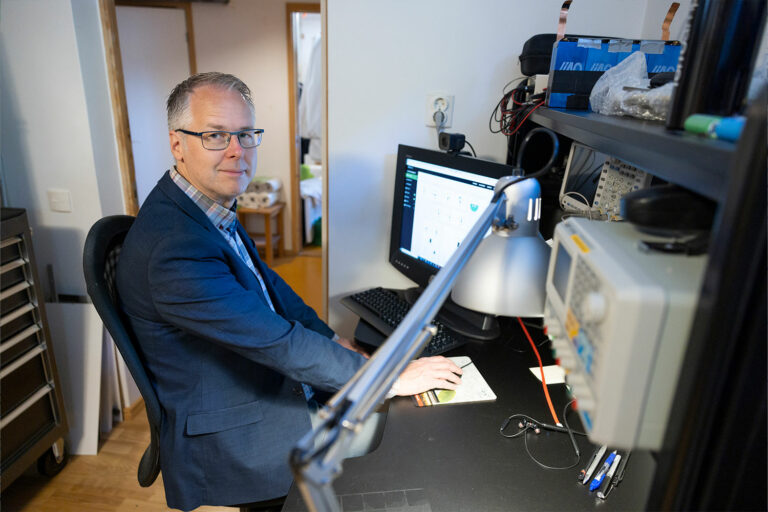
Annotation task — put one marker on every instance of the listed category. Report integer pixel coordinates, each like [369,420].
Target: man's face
[220,175]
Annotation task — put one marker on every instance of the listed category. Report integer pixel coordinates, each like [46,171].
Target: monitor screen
[438,198]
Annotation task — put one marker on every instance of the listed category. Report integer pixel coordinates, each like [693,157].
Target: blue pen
[603,470]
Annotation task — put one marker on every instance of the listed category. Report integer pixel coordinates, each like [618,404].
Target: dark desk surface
[456,454]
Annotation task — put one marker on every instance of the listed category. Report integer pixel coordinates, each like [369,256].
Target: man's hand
[351,345]
[427,373]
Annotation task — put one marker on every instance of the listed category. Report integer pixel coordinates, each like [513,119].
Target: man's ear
[176,146]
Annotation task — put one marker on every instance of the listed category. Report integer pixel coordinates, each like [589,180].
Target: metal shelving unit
[32,417]
[696,163]
[707,451]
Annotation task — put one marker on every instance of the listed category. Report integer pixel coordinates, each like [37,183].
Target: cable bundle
[513,109]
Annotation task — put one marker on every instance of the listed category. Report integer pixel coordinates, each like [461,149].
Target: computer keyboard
[384,309]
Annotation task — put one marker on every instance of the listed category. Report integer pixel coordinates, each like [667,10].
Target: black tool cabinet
[32,416]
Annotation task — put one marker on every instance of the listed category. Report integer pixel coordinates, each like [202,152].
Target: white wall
[247,38]
[655,13]
[154,54]
[57,126]
[382,61]
[93,71]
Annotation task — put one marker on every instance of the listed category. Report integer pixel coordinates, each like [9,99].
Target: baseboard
[133,410]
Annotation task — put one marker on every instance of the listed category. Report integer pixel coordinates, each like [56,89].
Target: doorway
[306,93]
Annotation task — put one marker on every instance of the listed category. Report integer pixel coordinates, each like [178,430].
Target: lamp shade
[507,274]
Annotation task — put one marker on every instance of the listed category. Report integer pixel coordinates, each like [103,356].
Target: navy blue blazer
[225,366]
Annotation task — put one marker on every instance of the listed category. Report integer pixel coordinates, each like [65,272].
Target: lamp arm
[316,459]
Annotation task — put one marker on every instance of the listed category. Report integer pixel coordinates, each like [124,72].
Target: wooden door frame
[290,9]
[114,60]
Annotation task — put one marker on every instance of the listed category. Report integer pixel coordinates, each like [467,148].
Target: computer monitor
[438,197]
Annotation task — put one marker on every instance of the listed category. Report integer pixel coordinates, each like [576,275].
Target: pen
[603,492]
[603,470]
[622,468]
[593,462]
[619,474]
[583,472]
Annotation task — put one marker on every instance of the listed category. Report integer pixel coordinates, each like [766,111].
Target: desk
[267,239]
[456,454]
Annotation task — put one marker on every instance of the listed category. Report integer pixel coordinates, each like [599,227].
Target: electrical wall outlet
[59,200]
[439,101]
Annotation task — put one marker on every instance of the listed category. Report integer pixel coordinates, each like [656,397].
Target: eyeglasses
[219,140]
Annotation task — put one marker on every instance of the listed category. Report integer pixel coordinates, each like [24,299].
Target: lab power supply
[619,315]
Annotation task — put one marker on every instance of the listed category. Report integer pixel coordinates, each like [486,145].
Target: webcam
[451,142]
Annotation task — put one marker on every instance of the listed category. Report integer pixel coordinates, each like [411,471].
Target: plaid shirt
[225,220]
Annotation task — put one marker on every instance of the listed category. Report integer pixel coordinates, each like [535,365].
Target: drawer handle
[14,289]
[20,361]
[18,262]
[26,308]
[29,402]
[21,336]
[10,241]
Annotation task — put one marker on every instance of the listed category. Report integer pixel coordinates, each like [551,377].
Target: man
[230,348]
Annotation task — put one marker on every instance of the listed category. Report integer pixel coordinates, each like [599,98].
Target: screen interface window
[440,205]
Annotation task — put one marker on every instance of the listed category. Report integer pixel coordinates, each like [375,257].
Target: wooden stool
[267,239]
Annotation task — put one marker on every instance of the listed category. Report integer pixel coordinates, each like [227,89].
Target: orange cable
[541,368]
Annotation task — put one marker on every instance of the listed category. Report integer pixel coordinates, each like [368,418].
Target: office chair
[100,255]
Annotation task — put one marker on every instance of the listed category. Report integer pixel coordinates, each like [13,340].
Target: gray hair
[178,100]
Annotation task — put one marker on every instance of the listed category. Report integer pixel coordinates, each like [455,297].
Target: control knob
[594,308]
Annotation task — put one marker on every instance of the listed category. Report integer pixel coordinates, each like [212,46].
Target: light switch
[59,200]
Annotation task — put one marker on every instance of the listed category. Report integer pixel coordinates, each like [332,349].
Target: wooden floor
[107,482]
[303,273]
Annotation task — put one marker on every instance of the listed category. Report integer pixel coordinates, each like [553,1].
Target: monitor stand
[462,320]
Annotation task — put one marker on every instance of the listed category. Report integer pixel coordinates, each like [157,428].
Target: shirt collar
[221,217]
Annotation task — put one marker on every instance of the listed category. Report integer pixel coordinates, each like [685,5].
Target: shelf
[694,162]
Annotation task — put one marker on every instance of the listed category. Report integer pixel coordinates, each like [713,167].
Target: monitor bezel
[418,271]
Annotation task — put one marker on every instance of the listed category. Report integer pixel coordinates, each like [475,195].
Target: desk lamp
[316,459]
[507,273]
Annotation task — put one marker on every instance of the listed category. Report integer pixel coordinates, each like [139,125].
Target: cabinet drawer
[12,276]
[14,321]
[22,383]
[10,249]
[23,431]
[13,348]
[15,296]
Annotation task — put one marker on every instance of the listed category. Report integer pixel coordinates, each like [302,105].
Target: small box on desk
[578,62]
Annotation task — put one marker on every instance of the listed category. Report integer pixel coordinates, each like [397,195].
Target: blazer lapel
[189,207]
[183,201]
[261,268]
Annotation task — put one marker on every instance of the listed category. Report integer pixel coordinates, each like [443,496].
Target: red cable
[541,368]
[526,117]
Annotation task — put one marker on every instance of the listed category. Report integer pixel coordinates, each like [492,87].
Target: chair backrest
[100,256]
